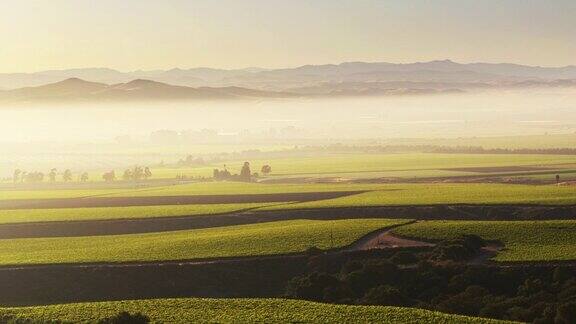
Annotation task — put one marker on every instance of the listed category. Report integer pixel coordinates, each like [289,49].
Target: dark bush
[566,314]
[454,252]
[312,286]
[404,257]
[351,266]
[385,295]
[469,302]
[473,242]
[562,274]
[362,280]
[126,318]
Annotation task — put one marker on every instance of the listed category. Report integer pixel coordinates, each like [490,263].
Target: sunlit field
[523,241]
[232,241]
[371,165]
[103,213]
[187,310]
[287,162]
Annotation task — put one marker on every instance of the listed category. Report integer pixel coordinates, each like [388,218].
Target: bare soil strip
[160,224]
[96,201]
[386,240]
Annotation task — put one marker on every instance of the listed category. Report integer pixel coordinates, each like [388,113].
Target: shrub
[126,318]
[566,313]
[404,257]
[385,295]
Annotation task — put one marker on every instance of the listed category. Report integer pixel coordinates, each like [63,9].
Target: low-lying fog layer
[33,131]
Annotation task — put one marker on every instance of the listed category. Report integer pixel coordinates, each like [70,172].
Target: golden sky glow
[150,34]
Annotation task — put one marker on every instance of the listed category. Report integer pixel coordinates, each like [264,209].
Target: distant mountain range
[346,79]
[78,90]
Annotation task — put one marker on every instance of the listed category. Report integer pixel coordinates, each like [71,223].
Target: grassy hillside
[243,240]
[524,240]
[444,193]
[378,195]
[356,164]
[196,310]
[100,213]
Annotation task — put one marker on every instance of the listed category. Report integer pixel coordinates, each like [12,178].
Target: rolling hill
[345,79]
[78,90]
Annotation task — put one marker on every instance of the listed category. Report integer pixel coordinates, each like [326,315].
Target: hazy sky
[150,34]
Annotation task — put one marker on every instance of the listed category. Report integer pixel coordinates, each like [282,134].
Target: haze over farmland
[287,161]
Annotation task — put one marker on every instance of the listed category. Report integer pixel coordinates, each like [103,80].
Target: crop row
[523,240]
[243,240]
[197,310]
[100,213]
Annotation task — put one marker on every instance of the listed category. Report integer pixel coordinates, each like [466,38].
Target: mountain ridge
[79,90]
[285,78]
[344,79]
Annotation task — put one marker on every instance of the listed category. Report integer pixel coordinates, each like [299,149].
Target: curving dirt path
[384,239]
[375,240]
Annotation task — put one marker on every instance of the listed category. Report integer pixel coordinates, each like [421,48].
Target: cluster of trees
[192,161]
[266,169]
[109,176]
[416,278]
[137,173]
[223,174]
[245,175]
[21,176]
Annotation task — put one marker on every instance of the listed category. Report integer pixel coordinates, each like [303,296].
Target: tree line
[23,176]
[443,278]
[135,173]
[245,175]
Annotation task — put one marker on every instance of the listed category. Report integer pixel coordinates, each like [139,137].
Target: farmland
[403,165]
[233,241]
[205,238]
[194,199]
[195,310]
[430,194]
[381,194]
[102,213]
[354,165]
[523,240]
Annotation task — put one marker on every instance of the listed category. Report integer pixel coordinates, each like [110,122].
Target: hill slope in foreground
[194,310]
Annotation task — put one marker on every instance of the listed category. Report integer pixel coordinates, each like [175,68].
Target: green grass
[200,188]
[379,195]
[524,240]
[407,161]
[100,213]
[233,188]
[444,193]
[336,163]
[249,310]
[56,193]
[243,240]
